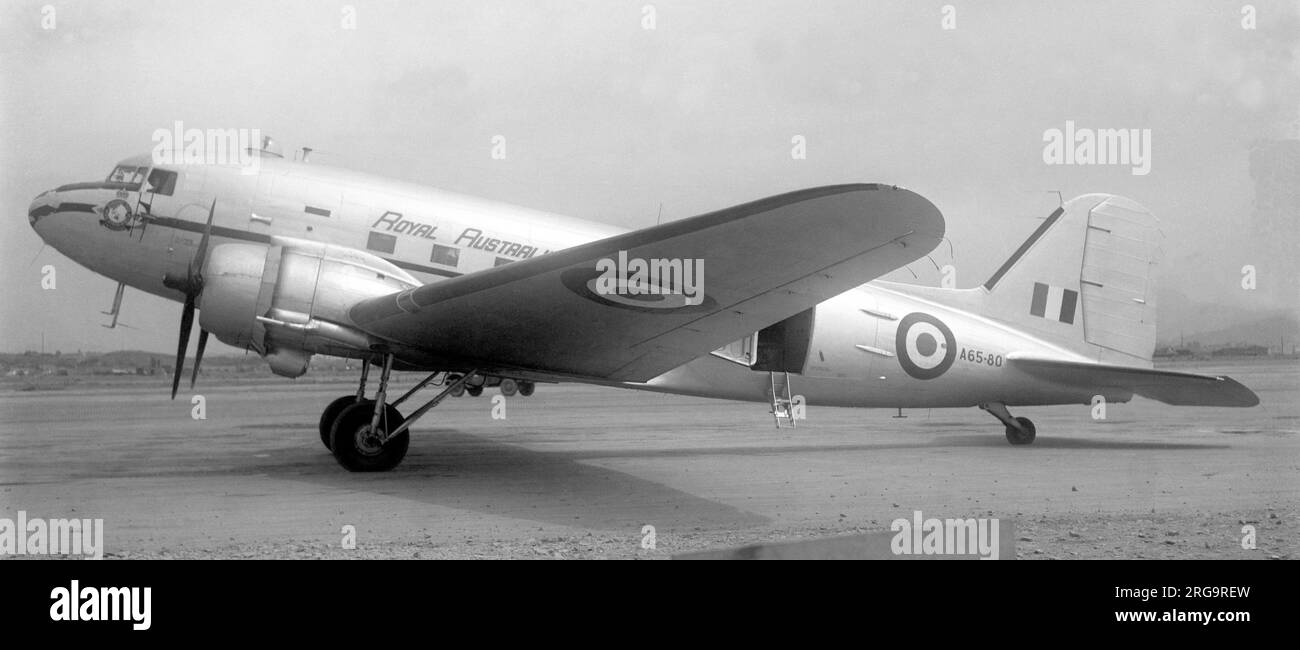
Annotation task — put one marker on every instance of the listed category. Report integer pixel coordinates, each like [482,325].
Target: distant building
[1242,351]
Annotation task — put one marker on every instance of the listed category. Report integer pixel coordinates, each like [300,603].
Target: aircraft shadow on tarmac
[938,438]
[456,470]
[1084,443]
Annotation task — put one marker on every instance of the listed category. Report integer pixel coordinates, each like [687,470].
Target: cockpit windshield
[128,174]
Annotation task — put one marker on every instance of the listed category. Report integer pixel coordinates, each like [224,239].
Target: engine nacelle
[232,285]
[289,300]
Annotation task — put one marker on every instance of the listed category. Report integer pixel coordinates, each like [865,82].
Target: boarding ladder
[782,402]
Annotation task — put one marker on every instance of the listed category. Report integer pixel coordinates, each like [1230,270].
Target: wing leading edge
[762,262]
[1177,388]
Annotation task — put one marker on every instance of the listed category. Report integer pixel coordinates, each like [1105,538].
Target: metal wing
[762,262]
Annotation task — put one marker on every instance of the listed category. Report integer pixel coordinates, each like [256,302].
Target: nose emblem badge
[117,215]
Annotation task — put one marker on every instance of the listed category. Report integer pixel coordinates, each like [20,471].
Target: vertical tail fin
[1084,280]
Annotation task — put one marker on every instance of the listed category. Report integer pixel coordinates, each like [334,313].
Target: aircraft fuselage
[880,345]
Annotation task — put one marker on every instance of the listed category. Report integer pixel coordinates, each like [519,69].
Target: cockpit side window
[161,181]
[127,174]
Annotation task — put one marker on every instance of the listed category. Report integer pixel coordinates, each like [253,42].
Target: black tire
[459,390]
[474,391]
[331,413]
[1017,437]
[526,388]
[353,447]
[509,387]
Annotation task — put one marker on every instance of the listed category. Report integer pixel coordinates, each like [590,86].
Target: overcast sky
[607,120]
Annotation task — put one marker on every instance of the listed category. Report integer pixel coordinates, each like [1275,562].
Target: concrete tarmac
[579,472]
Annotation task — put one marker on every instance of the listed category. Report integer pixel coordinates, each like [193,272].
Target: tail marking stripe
[1039,304]
[1068,302]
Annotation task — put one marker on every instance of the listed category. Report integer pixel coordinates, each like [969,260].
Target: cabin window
[445,255]
[162,182]
[380,242]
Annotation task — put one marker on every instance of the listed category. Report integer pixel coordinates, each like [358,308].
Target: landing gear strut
[1020,430]
[358,436]
[371,435]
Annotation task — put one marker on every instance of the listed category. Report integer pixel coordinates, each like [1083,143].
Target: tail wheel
[1018,437]
[331,413]
[356,446]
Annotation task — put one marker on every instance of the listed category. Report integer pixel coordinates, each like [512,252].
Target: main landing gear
[371,435]
[1020,431]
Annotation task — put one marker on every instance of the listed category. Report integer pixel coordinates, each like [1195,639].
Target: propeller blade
[196,267]
[187,323]
[198,355]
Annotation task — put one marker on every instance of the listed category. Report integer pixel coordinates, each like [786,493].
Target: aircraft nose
[44,204]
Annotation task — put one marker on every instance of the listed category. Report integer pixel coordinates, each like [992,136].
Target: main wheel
[356,446]
[458,390]
[474,391]
[1017,437]
[509,387]
[526,388]
[331,413]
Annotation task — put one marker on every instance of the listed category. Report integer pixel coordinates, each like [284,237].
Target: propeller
[192,286]
[198,355]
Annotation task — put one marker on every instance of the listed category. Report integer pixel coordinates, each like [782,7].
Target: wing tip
[1244,397]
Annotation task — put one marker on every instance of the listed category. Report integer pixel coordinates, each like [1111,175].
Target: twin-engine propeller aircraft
[301,259]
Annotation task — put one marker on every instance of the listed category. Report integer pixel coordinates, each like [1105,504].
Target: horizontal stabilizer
[1177,388]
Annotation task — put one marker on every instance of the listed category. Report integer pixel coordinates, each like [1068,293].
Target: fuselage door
[743,351]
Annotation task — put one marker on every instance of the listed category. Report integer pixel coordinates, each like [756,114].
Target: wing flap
[1170,387]
[762,262]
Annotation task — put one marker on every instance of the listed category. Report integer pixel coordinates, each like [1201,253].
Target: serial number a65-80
[981,357]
